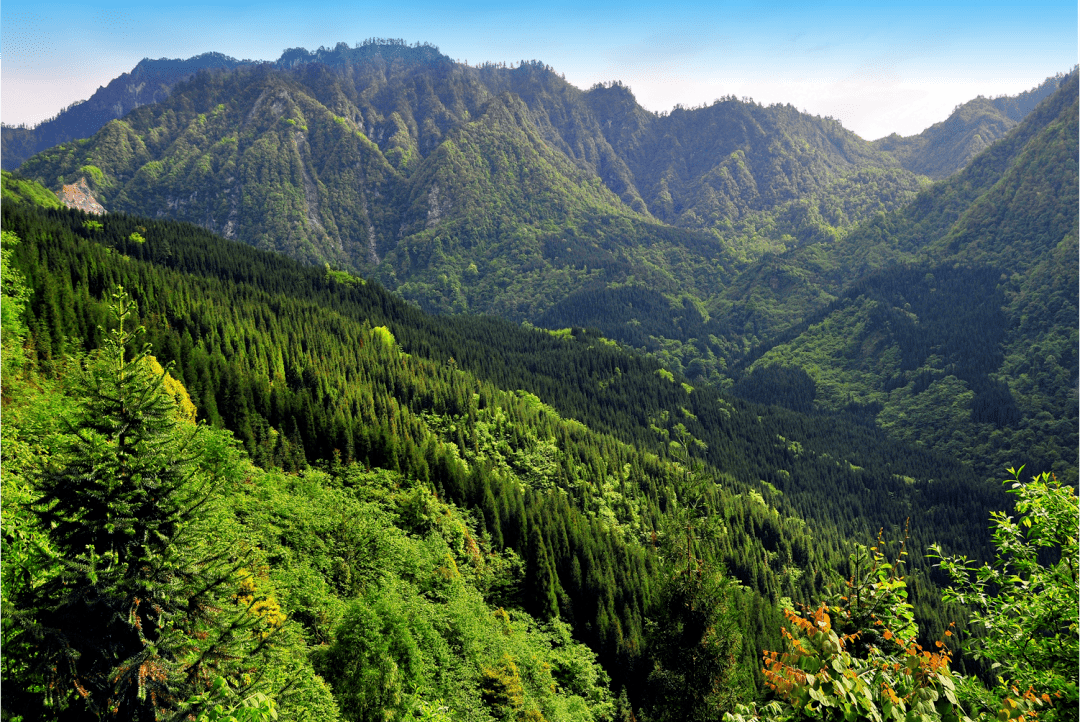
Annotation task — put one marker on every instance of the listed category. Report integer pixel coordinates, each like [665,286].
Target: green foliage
[97,178]
[565,478]
[501,690]
[696,646]
[392,581]
[857,656]
[33,407]
[774,383]
[383,336]
[343,277]
[1026,604]
[256,708]
[13,299]
[862,661]
[137,611]
[21,190]
[374,659]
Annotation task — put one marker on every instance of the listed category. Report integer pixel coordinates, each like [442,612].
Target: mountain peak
[344,54]
[948,146]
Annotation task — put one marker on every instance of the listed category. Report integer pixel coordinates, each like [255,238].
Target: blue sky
[878,67]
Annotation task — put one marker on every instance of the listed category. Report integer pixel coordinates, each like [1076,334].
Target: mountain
[682,167]
[724,165]
[777,290]
[951,321]
[333,156]
[707,237]
[148,82]
[453,504]
[946,147]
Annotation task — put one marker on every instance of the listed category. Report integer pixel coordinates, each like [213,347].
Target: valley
[519,401]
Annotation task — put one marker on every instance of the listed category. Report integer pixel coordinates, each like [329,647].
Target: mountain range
[759,178]
[714,237]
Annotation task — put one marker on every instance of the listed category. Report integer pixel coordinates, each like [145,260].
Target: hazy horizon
[879,70]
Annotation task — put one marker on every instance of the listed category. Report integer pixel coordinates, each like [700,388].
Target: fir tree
[695,643]
[144,611]
[694,637]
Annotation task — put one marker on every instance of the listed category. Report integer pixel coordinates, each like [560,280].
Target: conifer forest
[389,388]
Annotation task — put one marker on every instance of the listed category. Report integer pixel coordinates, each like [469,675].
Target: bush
[1026,600]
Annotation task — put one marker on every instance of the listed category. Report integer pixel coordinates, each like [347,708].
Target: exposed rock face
[78,195]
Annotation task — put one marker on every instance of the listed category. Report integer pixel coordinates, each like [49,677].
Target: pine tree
[143,611]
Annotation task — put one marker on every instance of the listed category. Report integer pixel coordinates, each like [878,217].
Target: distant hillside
[946,147]
[485,189]
[950,322]
[480,189]
[149,82]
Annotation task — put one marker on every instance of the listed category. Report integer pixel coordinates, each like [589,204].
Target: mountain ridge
[968,293]
[947,146]
[370,98]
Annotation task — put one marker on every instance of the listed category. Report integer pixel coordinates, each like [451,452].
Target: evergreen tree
[694,636]
[696,645]
[144,610]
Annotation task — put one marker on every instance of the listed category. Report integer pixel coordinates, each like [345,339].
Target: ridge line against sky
[879,68]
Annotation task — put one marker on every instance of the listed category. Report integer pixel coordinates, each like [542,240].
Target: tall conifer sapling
[143,614]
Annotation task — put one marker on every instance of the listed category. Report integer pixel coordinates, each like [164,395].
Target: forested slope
[148,82]
[694,235]
[336,156]
[304,364]
[473,498]
[507,190]
[344,594]
[946,147]
[961,334]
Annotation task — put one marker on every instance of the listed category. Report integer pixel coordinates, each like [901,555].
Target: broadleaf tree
[1027,599]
